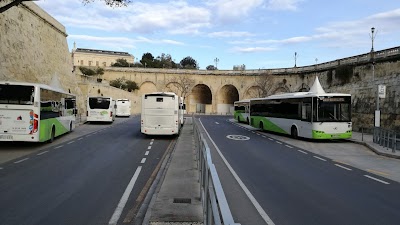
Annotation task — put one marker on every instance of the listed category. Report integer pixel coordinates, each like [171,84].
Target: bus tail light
[110,114]
[87,113]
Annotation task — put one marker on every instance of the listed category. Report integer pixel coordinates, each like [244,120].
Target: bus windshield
[99,103]
[333,109]
[16,94]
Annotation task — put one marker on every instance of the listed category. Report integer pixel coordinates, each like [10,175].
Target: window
[159,99]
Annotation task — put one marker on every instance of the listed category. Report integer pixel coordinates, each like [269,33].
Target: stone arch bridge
[210,91]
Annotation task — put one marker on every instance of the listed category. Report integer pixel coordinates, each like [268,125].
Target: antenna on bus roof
[317,88]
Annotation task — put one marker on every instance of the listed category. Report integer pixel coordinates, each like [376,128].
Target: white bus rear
[123,107]
[100,109]
[160,113]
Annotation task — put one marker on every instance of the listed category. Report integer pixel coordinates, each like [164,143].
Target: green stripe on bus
[267,124]
[322,135]
[45,129]
[240,115]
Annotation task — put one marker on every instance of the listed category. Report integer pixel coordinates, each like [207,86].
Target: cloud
[233,10]
[253,49]
[122,42]
[170,17]
[283,5]
[222,34]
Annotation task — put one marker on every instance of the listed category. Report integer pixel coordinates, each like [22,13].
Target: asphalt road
[295,186]
[84,180]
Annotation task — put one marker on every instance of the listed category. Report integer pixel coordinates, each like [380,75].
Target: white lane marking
[263,136]
[278,142]
[143,160]
[121,205]
[60,146]
[42,153]
[319,158]
[151,143]
[146,153]
[302,151]
[70,142]
[253,132]
[152,139]
[260,210]
[216,123]
[343,167]
[149,147]
[288,146]
[376,179]
[1,168]
[270,139]
[88,135]
[20,161]
[258,134]
[80,139]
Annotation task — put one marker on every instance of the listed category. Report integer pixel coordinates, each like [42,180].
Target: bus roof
[43,86]
[161,94]
[315,91]
[243,100]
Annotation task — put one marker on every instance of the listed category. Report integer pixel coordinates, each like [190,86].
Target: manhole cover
[238,137]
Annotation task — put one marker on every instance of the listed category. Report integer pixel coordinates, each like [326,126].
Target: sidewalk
[178,199]
[367,140]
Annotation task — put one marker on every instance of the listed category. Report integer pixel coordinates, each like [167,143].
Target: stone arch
[303,88]
[226,96]
[281,89]
[200,99]
[253,92]
[147,87]
[172,87]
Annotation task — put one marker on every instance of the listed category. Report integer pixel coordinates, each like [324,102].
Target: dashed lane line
[376,179]
[151,143]
[147,153]
[80,139]
[60,146]
[288,146]
[302,151]
[322,159]
[343,167]
[278,142]
[149,147]
[20,161]
[70,142]
[42,153]
[143,160]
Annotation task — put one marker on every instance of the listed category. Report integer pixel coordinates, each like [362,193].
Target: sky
[260,34]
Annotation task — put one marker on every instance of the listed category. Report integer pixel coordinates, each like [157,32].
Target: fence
[387,138]
[215,207]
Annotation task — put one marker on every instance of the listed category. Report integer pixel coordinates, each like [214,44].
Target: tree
[211,67]
[131,85]
[189,63]
[111,3]
[147,60]
[120,63]
[87,71]
[182,85]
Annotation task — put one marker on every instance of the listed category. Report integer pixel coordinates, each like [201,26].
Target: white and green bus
[100,109]
[33,112]
[241,111]
[314,114]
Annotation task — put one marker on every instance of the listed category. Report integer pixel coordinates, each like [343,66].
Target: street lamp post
[295,59]
[377,111]
[216,60]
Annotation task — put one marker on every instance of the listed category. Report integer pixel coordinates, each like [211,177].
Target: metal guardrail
[215,206]
[387,138]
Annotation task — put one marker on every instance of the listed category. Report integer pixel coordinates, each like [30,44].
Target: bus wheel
[238,119]
[294,132]
[248,122]
[53,133]
[261,125]
[70,127]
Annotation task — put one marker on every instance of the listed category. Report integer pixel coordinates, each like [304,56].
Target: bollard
[362,134]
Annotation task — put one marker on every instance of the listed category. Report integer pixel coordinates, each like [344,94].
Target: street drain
[183,200]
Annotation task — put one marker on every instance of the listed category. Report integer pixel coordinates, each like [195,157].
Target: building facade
[98,58]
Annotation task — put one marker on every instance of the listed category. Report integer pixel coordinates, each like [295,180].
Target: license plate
[6,137]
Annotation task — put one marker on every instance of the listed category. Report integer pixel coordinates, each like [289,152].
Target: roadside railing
[215,206]
[387,138]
